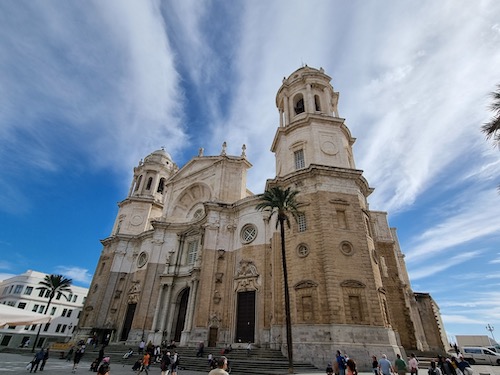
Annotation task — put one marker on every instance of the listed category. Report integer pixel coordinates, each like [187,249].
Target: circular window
[302,250]
[198,214]
[346,248]
[142,259]
[248,233]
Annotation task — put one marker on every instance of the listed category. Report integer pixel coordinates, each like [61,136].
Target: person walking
[78,356]
[45,358]
[145,363]
[165,363]
[385,366]
[341,363]
[400,365]
[374,365]
[37,359]
[413,364]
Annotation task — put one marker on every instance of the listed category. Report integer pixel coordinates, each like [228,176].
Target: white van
[480,356]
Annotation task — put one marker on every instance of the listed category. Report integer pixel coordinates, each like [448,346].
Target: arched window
[150,181]
[161,185]
[138,183]
[298,104]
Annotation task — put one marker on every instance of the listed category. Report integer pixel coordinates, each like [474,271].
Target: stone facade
[190,258]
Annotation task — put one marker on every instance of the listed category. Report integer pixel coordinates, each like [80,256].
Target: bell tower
[146,195]
[310,131]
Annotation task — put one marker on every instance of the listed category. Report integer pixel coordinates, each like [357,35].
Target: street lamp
[491,329]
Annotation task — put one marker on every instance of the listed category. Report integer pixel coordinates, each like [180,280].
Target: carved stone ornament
[352,284]
[246,268]
[134,292]
[305,284]
[214,320]
[246,276]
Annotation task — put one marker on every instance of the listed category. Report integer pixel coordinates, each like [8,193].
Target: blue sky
[87,89]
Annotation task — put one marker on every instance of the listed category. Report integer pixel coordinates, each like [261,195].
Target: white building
[21,292]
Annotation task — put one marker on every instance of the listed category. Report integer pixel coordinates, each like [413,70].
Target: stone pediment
[194,168]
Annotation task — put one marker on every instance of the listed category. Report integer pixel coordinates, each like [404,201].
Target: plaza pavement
[15,364]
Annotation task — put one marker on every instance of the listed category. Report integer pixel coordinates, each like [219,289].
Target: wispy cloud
[77,274]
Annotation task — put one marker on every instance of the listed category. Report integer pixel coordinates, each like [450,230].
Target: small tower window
[299,159]
[161,186]
[298,104]
[316,103]
[138,183]
[150,181]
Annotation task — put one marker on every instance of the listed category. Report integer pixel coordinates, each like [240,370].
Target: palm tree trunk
[289,343]
[40,327]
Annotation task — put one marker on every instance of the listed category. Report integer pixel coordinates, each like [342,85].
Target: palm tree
[283,203]
[54,284]
[492,128]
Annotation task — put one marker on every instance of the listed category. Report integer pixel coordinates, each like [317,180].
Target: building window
[63,328]
[192,251]
[341,219]
[298,104]
[58,328]
[317,103]
[138,183]
[142,259]
[59,294]
[11,303]
[346,248]
[161,186]
[64,312]
[33,327]
[356,308]
[21,305]
[148,185]
[299,159]
[47,293]
[198,214]
[248,233]
[41,308]
[68,315]
[46,328]
[40,293]
[74,298]
[35,308]
[301,221]
[307,308]
[18,289]
[53,311]
[302,250]
[28,290]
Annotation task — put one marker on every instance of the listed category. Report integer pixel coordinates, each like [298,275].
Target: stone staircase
[260,361]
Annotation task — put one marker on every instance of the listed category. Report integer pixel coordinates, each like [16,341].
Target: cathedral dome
[159,156]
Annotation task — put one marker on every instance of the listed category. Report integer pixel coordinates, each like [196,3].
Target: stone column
[158,307]
[164,310]
[287,110]
[309,100]
[191,305]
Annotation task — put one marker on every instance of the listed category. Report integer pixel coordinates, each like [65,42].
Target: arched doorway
[181,314]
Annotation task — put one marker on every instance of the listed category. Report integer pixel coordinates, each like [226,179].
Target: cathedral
[190,259]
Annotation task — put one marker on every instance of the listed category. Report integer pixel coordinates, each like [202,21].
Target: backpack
[432,371]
